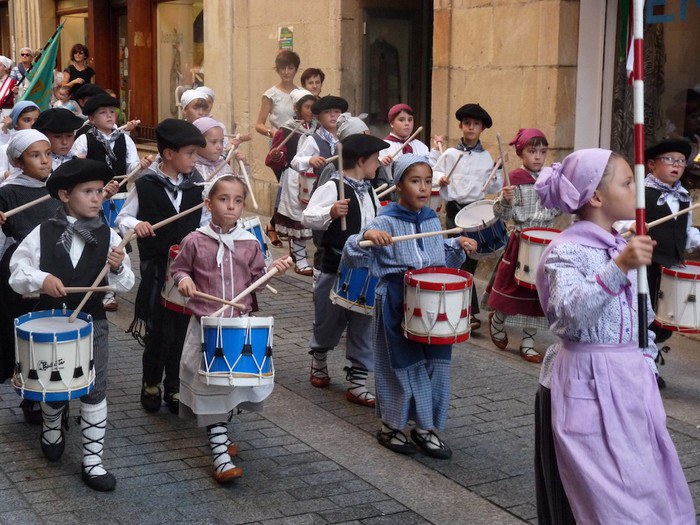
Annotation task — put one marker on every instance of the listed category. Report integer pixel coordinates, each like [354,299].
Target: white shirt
[317,214]
[418,149]
[126,220]
[305,151]
[79,148]
[468,177]
[26,277]
[57,160]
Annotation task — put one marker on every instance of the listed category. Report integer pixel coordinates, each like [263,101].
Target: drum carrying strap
[404,352]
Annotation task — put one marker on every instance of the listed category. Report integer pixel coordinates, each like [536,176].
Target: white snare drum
[170,297]
[435,202]
[53,358]
[437,305]
[111,208]
[677,307]
[306,186]
[253,225]
[478,222]
[237,351]
[533,243]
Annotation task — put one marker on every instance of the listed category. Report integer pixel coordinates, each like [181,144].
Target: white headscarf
[5,62]
[21,140]
[190,95]
[209,92]
[299,93]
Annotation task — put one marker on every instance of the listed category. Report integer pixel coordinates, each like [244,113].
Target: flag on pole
[40,76]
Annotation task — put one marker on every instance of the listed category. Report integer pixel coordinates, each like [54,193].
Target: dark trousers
[451,210]
[552,504]
[163,349]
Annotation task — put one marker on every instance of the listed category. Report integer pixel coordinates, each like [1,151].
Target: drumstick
[243,138]
[122,128]
[400,150]
[269,275]
[247,182]
[386,191]
[237,306]
[29,204]
[224,163]
[132,173]
[666,218]
[380,188]
[493,172]
[291,134]
[454,166]
[365,244]
[129,235]
[73,289]
[271,289]
[506,179]
[332,159]
[341,185]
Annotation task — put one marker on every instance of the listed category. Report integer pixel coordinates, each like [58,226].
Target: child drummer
[324,212]
[465,184]
[71,249]
[519,202]
[412,379]
[219,259]
[59,126]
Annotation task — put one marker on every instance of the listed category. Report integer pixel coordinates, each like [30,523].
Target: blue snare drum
[237,351]
[53,358]
[354,289]
[112,207]
[479,223]
[252,225]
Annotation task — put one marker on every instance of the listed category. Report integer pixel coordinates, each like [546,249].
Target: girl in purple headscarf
[605,432]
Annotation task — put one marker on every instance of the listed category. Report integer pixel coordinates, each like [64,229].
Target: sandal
[474,323]
[528,352]
[272,235]
[431,444]
[499,337]
[319,375]
[307,271]
[387,439]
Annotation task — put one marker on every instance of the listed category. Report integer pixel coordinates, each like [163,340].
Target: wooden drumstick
[332,159]
[386,191]
[27,205]
[72,289]
[122,128]
[493,172]
[407,141]
[132,173]
[269,275]
[244,172]
[341,184]
[237,306]
[506,179]
[291,134]
[666,218]
[129,235]
[380,188]
[459,159]
[398,238]
[243,138]
[271,289]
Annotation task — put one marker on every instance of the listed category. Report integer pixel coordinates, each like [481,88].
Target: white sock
[298,249]
[319,366]
[498,321]
[218,441]
[93,422]
[358,381]
[51,430]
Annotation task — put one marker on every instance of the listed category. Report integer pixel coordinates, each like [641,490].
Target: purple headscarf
[570,184]
[204,124]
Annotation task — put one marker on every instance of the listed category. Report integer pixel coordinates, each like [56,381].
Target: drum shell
[478,222]
[533,243]
[42,353]
[354,289]
[677,307]
[232,367]
[306,186]
[170,297]
[253,225]
[112,207]
[437,303]
[436,201]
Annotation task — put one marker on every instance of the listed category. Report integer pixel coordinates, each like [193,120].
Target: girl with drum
[600,425]
[219,259]
[412,378]
[71,249]
[513,304]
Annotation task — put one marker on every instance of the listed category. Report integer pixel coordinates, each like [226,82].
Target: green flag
[40,77]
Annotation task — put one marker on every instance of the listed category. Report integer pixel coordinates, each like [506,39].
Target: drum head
[476,216]
[52,325]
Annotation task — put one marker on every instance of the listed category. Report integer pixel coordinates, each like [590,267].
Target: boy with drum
[168,187]
[71,249]
[519,202]
[461,173]
[325,212]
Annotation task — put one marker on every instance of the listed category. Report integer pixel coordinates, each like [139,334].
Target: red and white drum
[306,186]
[170,297]
[435,200]
[677,307]
[437,305]
[533,243]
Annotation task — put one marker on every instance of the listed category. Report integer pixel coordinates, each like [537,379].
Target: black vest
[670,236]
[155,206]
[96,151]
[56,261]
[334,238]
[324,150]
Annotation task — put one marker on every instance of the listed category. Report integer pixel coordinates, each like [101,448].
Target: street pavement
[311,457]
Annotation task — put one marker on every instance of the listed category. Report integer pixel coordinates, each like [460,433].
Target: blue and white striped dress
[420,392]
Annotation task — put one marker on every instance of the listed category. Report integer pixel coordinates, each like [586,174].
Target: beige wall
[34,23]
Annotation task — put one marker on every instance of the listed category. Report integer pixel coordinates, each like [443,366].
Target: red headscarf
[524,136]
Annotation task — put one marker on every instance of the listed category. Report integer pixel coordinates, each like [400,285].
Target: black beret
[667,146]
[71,173]
[177,134]
[329,102]
[101,100]
[87,90]
[360,145]
[57,120]
[474,111]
